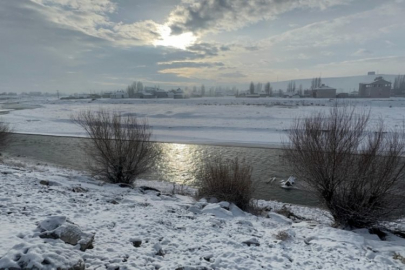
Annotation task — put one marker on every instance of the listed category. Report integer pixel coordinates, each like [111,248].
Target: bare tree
[268,89]
[357,174]
[252,88]
[139,87]
[229,180]
[316,82]
[300,91]
[291,87]
[119,146]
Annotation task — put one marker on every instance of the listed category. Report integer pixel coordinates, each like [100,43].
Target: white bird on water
[288,183]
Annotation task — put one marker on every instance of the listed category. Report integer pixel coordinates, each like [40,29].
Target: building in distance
[380,88]
[324,92]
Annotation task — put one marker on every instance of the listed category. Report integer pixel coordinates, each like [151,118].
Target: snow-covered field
[170,231]
[228,120]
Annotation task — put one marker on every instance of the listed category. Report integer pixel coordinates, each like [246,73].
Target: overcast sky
[93,45]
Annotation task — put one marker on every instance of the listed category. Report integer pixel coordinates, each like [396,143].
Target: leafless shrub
[357,174]
[254,208]
[282,236]
[119,147]
[286,211]
[5,132]
[181,189]
[399,257]
[143,204]
[229,180]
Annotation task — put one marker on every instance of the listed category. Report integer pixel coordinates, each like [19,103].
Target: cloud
[370,60]
[91,17]
[236,74]
[370,24]
[327,53]
[93,45]
[303,56]
[205,49]
[202,16]
[186,64]
[252,48]
[191,17]
[362,52]
[98,6]
[389,44]
[45,56]
[142,32]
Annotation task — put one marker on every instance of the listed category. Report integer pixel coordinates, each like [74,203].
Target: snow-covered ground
[228,120]
[171,231]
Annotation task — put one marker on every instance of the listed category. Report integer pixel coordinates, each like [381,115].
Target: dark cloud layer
[207,49]
[200,16]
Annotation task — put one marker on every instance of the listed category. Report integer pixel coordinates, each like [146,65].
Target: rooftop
[324,87]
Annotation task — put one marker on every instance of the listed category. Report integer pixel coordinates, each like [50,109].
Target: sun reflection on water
[178,163]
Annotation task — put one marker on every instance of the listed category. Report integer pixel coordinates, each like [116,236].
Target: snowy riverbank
[222,121]
[175,231]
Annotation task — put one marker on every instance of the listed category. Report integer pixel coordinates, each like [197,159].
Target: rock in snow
[46,255]
[51,223]
[136,242]
[224,205]
[194,209]
[58,228]
[222,210]
[44,182]
[216,210]
[280,218]
[252,242]
[43,256]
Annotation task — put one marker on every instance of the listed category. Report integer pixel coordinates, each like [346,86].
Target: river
[178,163]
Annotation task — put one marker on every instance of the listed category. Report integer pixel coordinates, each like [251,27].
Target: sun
[181,41]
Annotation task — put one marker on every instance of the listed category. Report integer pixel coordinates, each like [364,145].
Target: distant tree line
[135,87]
[268,89]
[316,82]
[291,87]
[212,91]
[399,82]
[259,87]
[252,88]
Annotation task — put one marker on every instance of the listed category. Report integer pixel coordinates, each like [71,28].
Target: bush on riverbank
[5,131]
[119,147]
[229,180]
[358,175]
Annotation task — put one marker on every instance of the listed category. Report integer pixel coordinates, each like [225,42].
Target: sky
[96,45]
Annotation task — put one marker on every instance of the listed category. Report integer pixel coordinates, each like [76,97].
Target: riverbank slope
[145,229]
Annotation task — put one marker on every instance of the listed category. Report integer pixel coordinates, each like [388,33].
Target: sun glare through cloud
[181,41]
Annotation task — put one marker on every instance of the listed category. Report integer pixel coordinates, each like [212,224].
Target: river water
[178,163]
